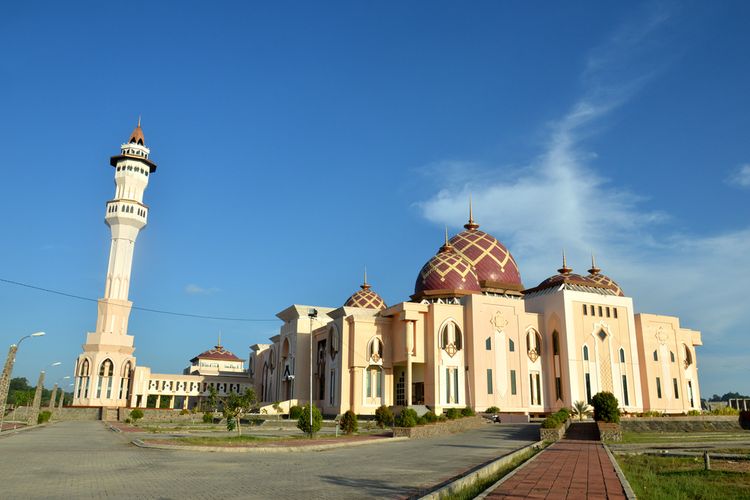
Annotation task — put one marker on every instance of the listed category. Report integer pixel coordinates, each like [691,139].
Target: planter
[609,432]
[554,434]
[440,428]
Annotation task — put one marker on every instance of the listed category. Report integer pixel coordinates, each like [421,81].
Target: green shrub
[303,422]
[231,424]
[653,413]
[725,411]
[43,417]
[565,411]
[348,422]
[127,420]
[694,413]
[422,421]
[430,417]
[453,413]
[208,417]
[442,418]
[606,407]
[492,409]
[407,418]
[384,417]
[294,412]
[185,411]
[552,422]
[136,415]
[467,412]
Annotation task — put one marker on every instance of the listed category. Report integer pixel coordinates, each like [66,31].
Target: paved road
[86,460]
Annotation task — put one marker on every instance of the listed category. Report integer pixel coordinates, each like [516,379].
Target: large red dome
[447,274]
[496,268]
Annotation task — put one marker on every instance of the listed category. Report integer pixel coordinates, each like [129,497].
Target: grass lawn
[681,437]
[682,478]
[219,440]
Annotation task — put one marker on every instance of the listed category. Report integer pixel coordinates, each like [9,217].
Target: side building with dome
[473,335]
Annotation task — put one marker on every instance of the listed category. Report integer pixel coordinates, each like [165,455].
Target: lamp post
[312,313]
[7,370]
[38,395]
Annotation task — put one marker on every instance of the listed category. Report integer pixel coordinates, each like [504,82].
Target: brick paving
[572,469]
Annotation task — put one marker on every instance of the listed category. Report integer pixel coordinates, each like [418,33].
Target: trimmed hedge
[606,408]
[492,409]
[557,419]
[407,418]
[43,417]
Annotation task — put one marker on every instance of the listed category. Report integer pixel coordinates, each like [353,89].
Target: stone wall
[609,432]
[440,428]
[706,423]
[77,413]
[163,415]
[554,434]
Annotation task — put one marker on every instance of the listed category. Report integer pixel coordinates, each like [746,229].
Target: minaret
[104,370]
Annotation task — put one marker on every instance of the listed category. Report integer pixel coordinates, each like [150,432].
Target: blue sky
[298,142]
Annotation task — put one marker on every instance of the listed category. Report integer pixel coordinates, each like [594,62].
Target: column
[62,399]
[409,350]
[52,398]
[5,380]
[158,401]
[34,414]
[185,403]
[171,402]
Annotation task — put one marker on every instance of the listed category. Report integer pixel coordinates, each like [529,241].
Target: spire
[218,344]
[365,285]
[594,270]
[137,136]
[564,269]
[447,247]
[471,225]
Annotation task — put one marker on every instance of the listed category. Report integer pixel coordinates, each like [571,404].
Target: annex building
[470,334]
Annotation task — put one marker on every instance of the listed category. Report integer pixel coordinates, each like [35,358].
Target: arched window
[671,356]
[106,369]
[125,382]
[585,353]
[511,345]
[533,345]
[450,338]
[622,355]
[656,356]
[688,356]
[555,343]
[374,382]
[375,350]
[84,372]
[333,339]
[488,343]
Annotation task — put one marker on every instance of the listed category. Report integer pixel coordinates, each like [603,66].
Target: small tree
[384,416]
[136,415]
[606,407]
[303,422]
[236,406]
[348,422]
[294,412]
[581,410]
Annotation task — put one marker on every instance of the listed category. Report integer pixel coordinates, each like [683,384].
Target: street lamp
[312,313]
[7,370]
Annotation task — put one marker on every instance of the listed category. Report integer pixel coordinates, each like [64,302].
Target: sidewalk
[570,468]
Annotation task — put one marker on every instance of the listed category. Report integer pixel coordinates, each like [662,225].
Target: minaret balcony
[127,210]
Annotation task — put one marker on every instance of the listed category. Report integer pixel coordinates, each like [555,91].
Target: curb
[12,432]
[487,469]
[262,449]
[512,473]
[629,493]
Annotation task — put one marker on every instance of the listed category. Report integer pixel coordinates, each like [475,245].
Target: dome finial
[218,344]
[365,285]
[564,269]
[137,136]
[471,225]
[447,247]
[594,270]
[139,120]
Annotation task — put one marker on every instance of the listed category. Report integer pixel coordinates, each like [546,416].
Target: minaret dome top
[137,136]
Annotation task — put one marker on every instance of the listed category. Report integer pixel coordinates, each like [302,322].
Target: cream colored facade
[529,353]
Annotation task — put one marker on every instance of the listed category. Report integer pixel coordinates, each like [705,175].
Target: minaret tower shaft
[104,370]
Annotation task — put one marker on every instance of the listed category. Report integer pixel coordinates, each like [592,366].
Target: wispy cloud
[560,200]
[194,289]
[741,176]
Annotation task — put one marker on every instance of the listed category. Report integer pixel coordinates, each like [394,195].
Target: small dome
[597,277]
[447,274]
[365,298]
[495,266]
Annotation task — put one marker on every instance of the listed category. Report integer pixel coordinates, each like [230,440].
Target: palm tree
[581,409]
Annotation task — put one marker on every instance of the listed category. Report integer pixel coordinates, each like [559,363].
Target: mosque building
[471,335]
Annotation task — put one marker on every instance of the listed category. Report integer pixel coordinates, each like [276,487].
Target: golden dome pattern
[366,298]
[597,277]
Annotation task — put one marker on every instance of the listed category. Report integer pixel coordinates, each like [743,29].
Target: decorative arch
[585,352]
[83,378]
[127,370]
[104,381]
[533,344]
[450,337]
[334,341]
[285,348]
[555,343]
[688,355]
[375,351]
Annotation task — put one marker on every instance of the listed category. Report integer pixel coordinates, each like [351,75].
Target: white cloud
[194,289]
[741,176]
[559,200]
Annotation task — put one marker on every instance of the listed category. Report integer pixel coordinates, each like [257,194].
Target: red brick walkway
[567,469]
